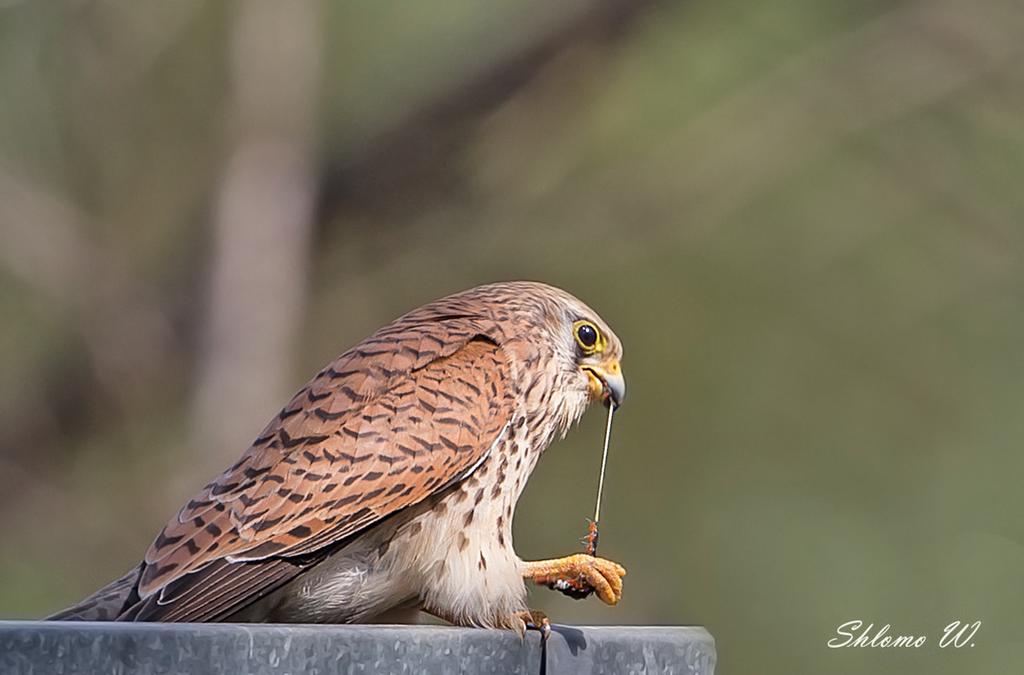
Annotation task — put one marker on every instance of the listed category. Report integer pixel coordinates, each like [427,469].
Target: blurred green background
[802,218]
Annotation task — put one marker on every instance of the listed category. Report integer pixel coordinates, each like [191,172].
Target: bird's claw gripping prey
[579,575]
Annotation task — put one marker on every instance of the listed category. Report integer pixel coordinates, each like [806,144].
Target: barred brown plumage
[391,478]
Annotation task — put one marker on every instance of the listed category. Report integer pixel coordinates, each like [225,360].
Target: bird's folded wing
[402,416]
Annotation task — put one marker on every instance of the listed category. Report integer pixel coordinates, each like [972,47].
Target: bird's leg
[579,575]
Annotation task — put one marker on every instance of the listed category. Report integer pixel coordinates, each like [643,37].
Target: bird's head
[588,355]
[562,353]
[575,355]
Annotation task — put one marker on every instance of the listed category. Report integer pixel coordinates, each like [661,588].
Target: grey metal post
[59,648]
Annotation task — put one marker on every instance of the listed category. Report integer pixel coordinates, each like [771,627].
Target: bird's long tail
[105,604]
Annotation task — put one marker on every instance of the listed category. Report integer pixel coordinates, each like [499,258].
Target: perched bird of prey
[390,481]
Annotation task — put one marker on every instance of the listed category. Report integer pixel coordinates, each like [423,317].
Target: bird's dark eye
[587,335]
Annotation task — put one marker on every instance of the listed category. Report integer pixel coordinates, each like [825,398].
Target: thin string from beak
[604,464]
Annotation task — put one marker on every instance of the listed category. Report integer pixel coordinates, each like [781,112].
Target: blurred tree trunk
[262,227]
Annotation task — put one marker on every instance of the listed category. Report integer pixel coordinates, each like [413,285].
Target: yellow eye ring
[588,337]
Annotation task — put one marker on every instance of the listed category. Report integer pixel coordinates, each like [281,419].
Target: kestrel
[389,482]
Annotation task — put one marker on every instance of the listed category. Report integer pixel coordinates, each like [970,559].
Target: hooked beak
[607,382]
